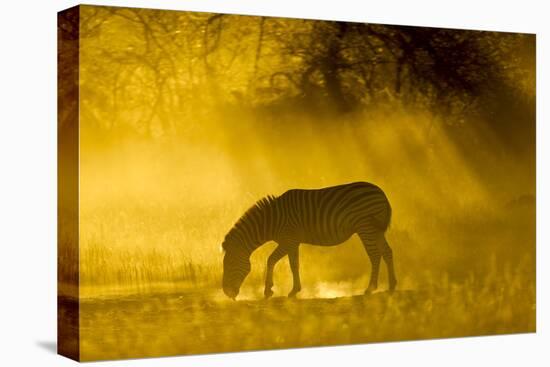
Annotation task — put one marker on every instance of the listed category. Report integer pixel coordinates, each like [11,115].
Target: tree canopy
[159,68]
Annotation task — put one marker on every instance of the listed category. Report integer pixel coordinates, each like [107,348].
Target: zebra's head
[236,266]
[245,236]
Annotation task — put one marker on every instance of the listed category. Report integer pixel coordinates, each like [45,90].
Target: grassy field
[205,322]
[480,280]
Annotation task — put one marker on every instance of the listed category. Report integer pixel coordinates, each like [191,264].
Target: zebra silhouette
[322,217]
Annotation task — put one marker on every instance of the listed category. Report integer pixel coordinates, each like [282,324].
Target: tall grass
[142,247]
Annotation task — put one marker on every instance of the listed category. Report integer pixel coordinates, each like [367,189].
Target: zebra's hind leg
[387,255]
[370,239]
[275,256]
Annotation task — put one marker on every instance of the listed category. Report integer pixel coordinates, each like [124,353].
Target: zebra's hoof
[268,293]
[292,294]
[392,286]
[369,291]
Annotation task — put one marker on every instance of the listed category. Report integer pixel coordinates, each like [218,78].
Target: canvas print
[232,183]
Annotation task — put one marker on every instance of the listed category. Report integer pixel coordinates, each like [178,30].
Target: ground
[190,323]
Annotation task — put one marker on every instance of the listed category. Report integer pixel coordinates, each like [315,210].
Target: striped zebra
[322,217]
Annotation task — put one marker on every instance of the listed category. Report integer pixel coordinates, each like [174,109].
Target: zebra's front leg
[294,260]
[275,256]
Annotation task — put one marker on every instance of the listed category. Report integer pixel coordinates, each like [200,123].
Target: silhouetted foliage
[178,66]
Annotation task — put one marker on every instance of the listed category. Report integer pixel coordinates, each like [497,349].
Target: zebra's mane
[256,209]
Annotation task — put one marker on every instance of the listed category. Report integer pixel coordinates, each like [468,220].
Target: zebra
[323,217]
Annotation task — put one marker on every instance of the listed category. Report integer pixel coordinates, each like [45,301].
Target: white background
[28,182]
